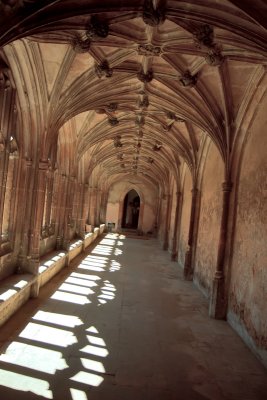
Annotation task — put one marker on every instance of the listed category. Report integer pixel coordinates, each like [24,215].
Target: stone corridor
[121,323]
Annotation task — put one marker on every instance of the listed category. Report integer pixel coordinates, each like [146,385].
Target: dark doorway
[131,208]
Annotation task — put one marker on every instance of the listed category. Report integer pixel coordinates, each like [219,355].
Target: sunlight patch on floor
[59,319]
[40,345]
[25,383]
[37,358]
[48,334]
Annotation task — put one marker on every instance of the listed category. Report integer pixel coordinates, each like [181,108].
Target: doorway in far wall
[131,209]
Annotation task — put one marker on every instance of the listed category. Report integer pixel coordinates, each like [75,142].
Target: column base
[35,287]
[188,270]
[174,256]
[217,306]
[59,242]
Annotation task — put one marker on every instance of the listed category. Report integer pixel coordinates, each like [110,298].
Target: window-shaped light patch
[25,383]
[96,340]
[91,267]
[96,258]
[108,242]
[58,319]
[93,365]
[37,358]
[70,297]
[77,394]
[87,378]
[49,335]
[96,351]
[117,251]
[66,287]
[86,277]
[78,281]
[115,266]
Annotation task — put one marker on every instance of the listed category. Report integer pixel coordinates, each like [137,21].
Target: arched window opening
[131,209]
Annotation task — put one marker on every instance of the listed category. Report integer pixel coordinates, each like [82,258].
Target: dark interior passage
[131,209]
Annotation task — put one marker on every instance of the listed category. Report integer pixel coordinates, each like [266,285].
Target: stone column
[4,160]
[84,210]
[217,307]
[62,195]
[49,195]
[25,183]
[93,207]
[68,217]
[97,206]
[36,222]
[188,268]
[103,208]
[174,255]
[55,203]
[167,223]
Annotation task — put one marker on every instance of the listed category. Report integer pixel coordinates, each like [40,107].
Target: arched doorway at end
[131,210]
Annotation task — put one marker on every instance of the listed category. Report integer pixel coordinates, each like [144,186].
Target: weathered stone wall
[248,289]
[209,220]
[116,198]
[185,217]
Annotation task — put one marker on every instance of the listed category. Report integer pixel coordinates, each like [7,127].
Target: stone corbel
[153,16]
[113,121]
[145,77]
[214,57]
[187,80]
[103,69]
[95,29]
[203,36]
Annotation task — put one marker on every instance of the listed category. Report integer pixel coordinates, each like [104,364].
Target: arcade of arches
[150,115]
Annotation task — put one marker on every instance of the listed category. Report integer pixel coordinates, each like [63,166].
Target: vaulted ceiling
[122,88]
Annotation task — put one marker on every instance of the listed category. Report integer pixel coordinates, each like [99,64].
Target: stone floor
[120,323]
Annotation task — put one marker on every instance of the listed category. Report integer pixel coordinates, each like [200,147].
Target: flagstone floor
[121,323]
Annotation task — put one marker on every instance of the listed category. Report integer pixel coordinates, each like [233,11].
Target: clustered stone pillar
[4,157]
[188,268]
[97,206]
[174,255]
[167,223]
[217,307]
[70,191]
[36,222]
[92,210]
[61,208]
[25,186]
[84,208]
[103,207]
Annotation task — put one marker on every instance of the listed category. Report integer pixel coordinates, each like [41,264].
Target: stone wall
[209,220]
[248,288]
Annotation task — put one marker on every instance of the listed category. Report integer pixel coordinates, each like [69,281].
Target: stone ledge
[14,292]
[16,289]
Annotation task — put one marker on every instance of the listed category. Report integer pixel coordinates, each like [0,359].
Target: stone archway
[136,195]
[131,210]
